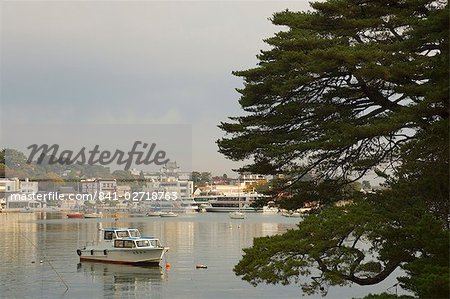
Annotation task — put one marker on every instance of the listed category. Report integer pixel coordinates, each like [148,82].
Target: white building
[123,190]
[170,179]
[14,185]
[88,186]
[135,171]
[9,185]
[28,187]
[246,179]
[183,189]
[93,186]
[11,189]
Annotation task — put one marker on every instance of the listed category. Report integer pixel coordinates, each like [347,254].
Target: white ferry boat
[124,246]
[238,202]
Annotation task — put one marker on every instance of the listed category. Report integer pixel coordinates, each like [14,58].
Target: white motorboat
[51,209]
[168,214]
[124,246]
[269,210]
[237,215]
[154,214]
[93,215]
[137,215]
[292,214]
[26,210]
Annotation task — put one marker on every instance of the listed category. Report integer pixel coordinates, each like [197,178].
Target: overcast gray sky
[142,62]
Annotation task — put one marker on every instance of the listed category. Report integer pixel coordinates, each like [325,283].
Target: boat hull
[92,216]
[129,256]
[147,263]
[153,214]
[292,215]
[230,209]
[237,215]
[75,215]
[169,214]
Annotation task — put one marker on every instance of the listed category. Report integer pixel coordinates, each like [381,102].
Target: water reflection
[214,240]
[125,281]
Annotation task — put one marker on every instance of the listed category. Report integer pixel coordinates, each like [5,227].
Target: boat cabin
[110,234]
[128,238]
[139,243]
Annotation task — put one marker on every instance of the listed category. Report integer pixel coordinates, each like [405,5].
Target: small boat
[168,214]
[154,214]
[237,215]
[75,215]
[51,209]
[137,215]
[93,215]
[27,210]
[292,214]
[269,210]
[124,246]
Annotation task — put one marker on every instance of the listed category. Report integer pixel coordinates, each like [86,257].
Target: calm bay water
[211,239]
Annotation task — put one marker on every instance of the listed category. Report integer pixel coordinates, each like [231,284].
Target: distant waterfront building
[123,190]
[183,189]
[135,171]
[14,185]
[28,187]
[13,188]
[96,185]
[170,179]
[170,169]
[9,185]
[89,186]
[246,179]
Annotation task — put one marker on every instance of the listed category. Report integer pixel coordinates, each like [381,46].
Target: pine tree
[349,88]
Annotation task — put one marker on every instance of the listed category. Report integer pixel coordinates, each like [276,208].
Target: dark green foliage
[360,243]
[201,178]
[340,87]
[2,156]
[321,192]
[2,163]
[352,87]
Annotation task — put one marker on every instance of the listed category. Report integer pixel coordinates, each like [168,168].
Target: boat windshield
[145,243]
[109,235]
[122,234]
[134,233]
[124,244]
